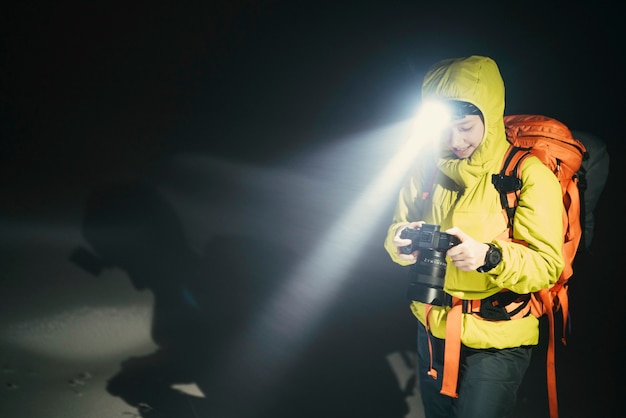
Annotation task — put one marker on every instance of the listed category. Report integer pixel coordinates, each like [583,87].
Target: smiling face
[465,135]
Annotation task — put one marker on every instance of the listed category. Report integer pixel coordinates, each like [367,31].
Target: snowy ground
[65,331]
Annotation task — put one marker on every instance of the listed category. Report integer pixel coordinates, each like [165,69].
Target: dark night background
[231,138]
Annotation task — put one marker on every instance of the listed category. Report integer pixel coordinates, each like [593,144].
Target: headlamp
[435,116]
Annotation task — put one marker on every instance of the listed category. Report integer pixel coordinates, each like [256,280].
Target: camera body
[427,237]
[427,275]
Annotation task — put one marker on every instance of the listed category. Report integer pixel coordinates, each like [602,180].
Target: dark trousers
[488,380]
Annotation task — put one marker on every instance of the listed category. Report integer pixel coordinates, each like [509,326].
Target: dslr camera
[427,275]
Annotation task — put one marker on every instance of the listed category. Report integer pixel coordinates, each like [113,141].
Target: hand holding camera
[426,276]
[427,237]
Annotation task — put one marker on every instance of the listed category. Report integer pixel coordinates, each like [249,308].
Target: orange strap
[547,301]
[431,372]
[564,305]
[544,295]
[452,351]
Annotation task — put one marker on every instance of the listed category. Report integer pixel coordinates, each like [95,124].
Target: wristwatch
[492,259]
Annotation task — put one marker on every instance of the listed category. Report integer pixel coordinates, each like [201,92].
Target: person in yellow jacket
[450,186]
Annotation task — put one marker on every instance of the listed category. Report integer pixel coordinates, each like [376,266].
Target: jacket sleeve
[538,262]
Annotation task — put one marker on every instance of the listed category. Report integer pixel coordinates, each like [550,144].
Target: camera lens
[427,276]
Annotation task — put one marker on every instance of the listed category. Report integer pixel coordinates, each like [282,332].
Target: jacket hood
[477,80]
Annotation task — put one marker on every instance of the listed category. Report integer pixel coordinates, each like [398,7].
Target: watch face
[494,256]
[492,259]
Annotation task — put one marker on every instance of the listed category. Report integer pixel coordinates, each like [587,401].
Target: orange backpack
[552,142]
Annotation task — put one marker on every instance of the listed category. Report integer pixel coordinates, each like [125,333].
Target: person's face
[465,135]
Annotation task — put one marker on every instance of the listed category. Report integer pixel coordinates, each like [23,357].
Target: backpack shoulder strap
[509,182]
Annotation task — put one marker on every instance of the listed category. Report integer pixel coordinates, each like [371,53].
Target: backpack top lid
[561,152]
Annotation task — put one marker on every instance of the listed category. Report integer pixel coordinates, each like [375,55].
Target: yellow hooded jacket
[464,196]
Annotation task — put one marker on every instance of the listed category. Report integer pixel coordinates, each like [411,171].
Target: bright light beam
[278,334]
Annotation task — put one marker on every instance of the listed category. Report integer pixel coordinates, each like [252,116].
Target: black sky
[88,89]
